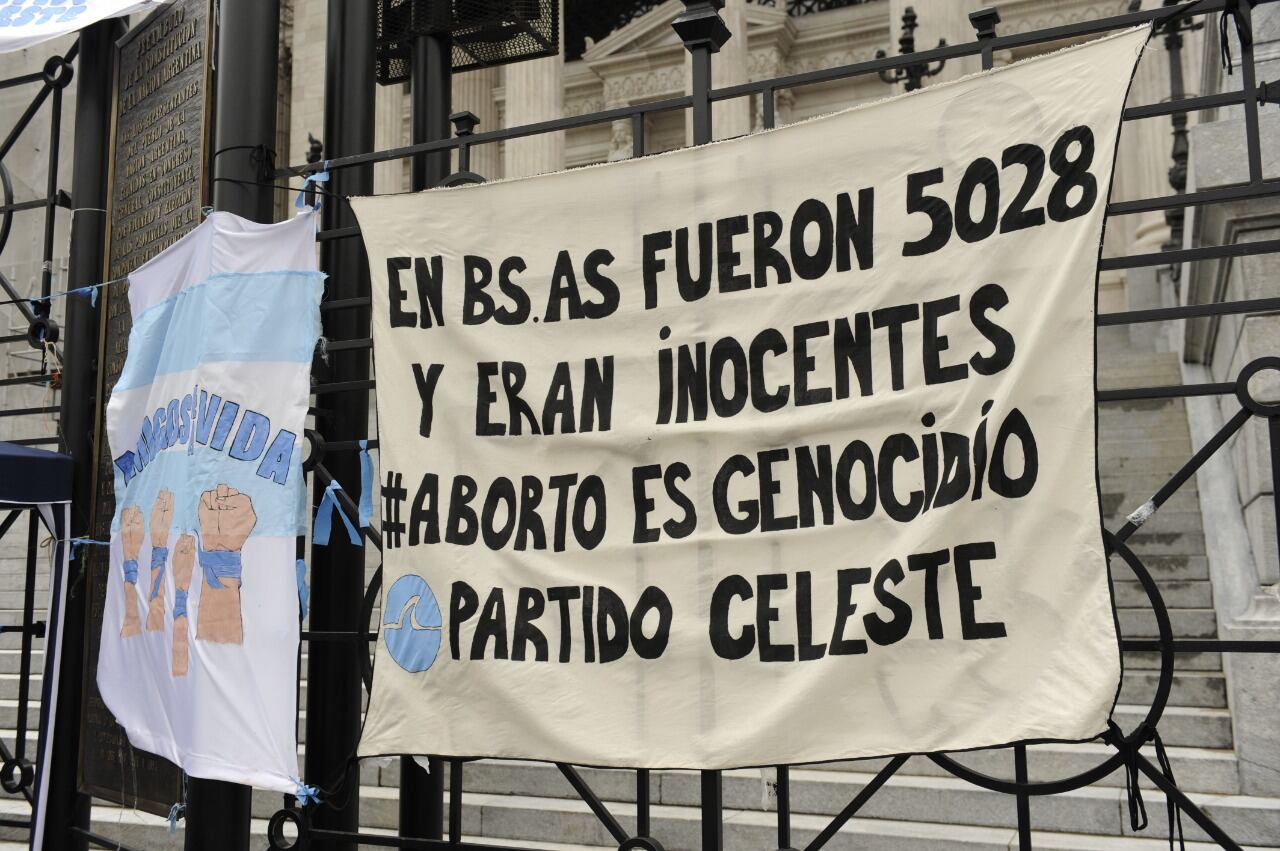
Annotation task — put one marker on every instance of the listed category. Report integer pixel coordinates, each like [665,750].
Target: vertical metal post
[66,808]
[784,807]
[431,91]
[703,32]
[712,811]
[643,810]
[24,664]
[337,571]
[1249,88]
[245,107]
[984,24]
[244,132]
[1024,800]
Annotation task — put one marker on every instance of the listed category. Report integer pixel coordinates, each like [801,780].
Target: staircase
[532,805]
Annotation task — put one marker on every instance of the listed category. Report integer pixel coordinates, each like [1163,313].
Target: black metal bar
[1185,804]
[455,802]
[431,90]
[1190,311]
[1023,799]
[1187,470]
[784,806]
[28,616]
[712,805]
[51,191]
[33,204]
[769,106]
[1175,391]
[313,635]
[701,84]
[335,687]
[22,412]
[592,800]
[19,301]
[67,808]
[1189,255]
[361,385]
[637,135]
[1273,428]
[853,806]
[348,345]
[1202,645]
[1244,192]
[1248,88]
[24,379]
[346,303]
[217,812]
[22,80]
[36,441]
[8,521]
[643,805]
[620,113]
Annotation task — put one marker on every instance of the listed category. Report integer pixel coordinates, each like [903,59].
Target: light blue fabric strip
[131,570]
[219,564]
[304,593]
[259,317]
[366,485]
[324,518]
[179,603]
[159,555]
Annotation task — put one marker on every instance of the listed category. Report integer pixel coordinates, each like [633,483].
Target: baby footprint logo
[411,624]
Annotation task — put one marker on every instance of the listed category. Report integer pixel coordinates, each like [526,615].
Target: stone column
[473,92]
[728,68]
[535,92]
[938,19]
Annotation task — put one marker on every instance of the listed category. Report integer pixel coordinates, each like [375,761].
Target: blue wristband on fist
[131,571]
[179,603]
[159,555]
[218,565]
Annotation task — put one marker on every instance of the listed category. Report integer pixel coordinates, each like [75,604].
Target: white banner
[770,451]
[24,23]
[198,658]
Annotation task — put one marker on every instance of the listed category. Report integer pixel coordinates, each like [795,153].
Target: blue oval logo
[411,623]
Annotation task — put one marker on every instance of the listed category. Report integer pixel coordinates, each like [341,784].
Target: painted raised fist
[226,518]
[161,518]
[184,559]
[132,531]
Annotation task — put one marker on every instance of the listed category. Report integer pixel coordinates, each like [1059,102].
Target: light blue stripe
[258,317]
[281,511]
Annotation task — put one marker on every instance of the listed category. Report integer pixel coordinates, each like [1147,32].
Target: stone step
[1182,726]
[1164,567]
[1150,661]
[1189,688]
[1196,594]
[941,808]
[1186,623]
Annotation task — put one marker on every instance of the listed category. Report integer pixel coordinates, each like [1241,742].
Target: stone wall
[1240,522]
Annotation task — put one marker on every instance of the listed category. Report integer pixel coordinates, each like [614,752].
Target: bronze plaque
[158,179]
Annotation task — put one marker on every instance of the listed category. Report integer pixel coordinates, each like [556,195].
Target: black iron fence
[340,642]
